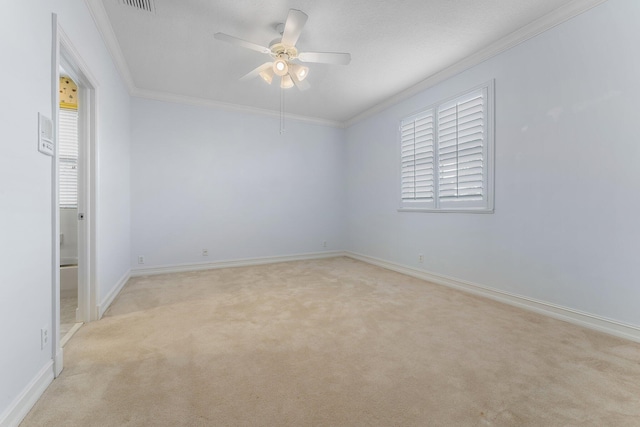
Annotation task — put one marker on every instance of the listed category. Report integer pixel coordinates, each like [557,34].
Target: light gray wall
[565,228]
[25,195]
[26,184]
[230,183]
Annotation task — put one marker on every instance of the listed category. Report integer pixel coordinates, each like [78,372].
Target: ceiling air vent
[141,5]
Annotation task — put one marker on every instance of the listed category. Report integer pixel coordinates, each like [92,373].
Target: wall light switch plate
[45,135]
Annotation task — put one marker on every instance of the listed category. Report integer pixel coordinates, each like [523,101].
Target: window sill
[469,210]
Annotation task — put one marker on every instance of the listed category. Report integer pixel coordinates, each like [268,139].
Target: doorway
[74,201]
[69,204]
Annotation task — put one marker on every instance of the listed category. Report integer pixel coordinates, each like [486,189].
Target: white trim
[87,190]
[55,203]
[546,22]
[75,328]
[20,407]
[58,363]
[539,26]
[63,51]
[108,299]
[461,210]
[209,103]
[187,267]
[90,86]
[92,208]
[487,90]
[101,19]
[580,318]
[245,262]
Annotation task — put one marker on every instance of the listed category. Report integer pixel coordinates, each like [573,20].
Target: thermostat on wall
[45,135]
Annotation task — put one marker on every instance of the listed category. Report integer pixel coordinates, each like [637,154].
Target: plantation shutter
[417,157]
[68,158]
[462,149]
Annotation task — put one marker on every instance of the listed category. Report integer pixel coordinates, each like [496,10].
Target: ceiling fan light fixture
[300,71]
[280,66]
[267,75]
[286,82]
[284,54]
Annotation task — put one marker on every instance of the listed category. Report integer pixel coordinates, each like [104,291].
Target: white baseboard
[21,406]
[106,302]
[180,268]
[64,340]
[58,364]
[566,314]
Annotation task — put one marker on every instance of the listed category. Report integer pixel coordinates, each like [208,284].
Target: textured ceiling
[394,45]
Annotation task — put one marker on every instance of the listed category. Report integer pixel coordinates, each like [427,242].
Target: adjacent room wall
[565,227]
[26,181]
[68,236]
[228,182]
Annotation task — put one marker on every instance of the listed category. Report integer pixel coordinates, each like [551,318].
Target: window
[68,158]
[447,155]
[68,143]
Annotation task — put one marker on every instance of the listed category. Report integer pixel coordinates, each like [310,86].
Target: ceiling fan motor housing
[277,49]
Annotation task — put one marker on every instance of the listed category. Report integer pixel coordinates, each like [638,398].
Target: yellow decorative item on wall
[68,93]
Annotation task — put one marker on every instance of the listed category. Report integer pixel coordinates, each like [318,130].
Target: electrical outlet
[205,252]
[140,259]
[324,244]
[420,258]
[44,337]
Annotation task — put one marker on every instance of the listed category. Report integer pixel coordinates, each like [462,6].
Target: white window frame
[435,204]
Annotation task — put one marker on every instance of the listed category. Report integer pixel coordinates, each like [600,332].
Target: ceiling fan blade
[302,85]
[325,57]
[255,72]
[293,27]
[234,40]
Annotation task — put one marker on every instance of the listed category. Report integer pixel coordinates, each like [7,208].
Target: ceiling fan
[285,55]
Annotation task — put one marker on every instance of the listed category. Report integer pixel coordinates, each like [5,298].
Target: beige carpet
[333,342]
[68,306]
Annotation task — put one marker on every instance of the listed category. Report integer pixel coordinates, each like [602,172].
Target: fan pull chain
[281,111]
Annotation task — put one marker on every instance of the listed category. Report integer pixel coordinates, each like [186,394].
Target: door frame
[66,55]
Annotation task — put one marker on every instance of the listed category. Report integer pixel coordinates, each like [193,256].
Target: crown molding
[101,19]
[546,22]
[208,103]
